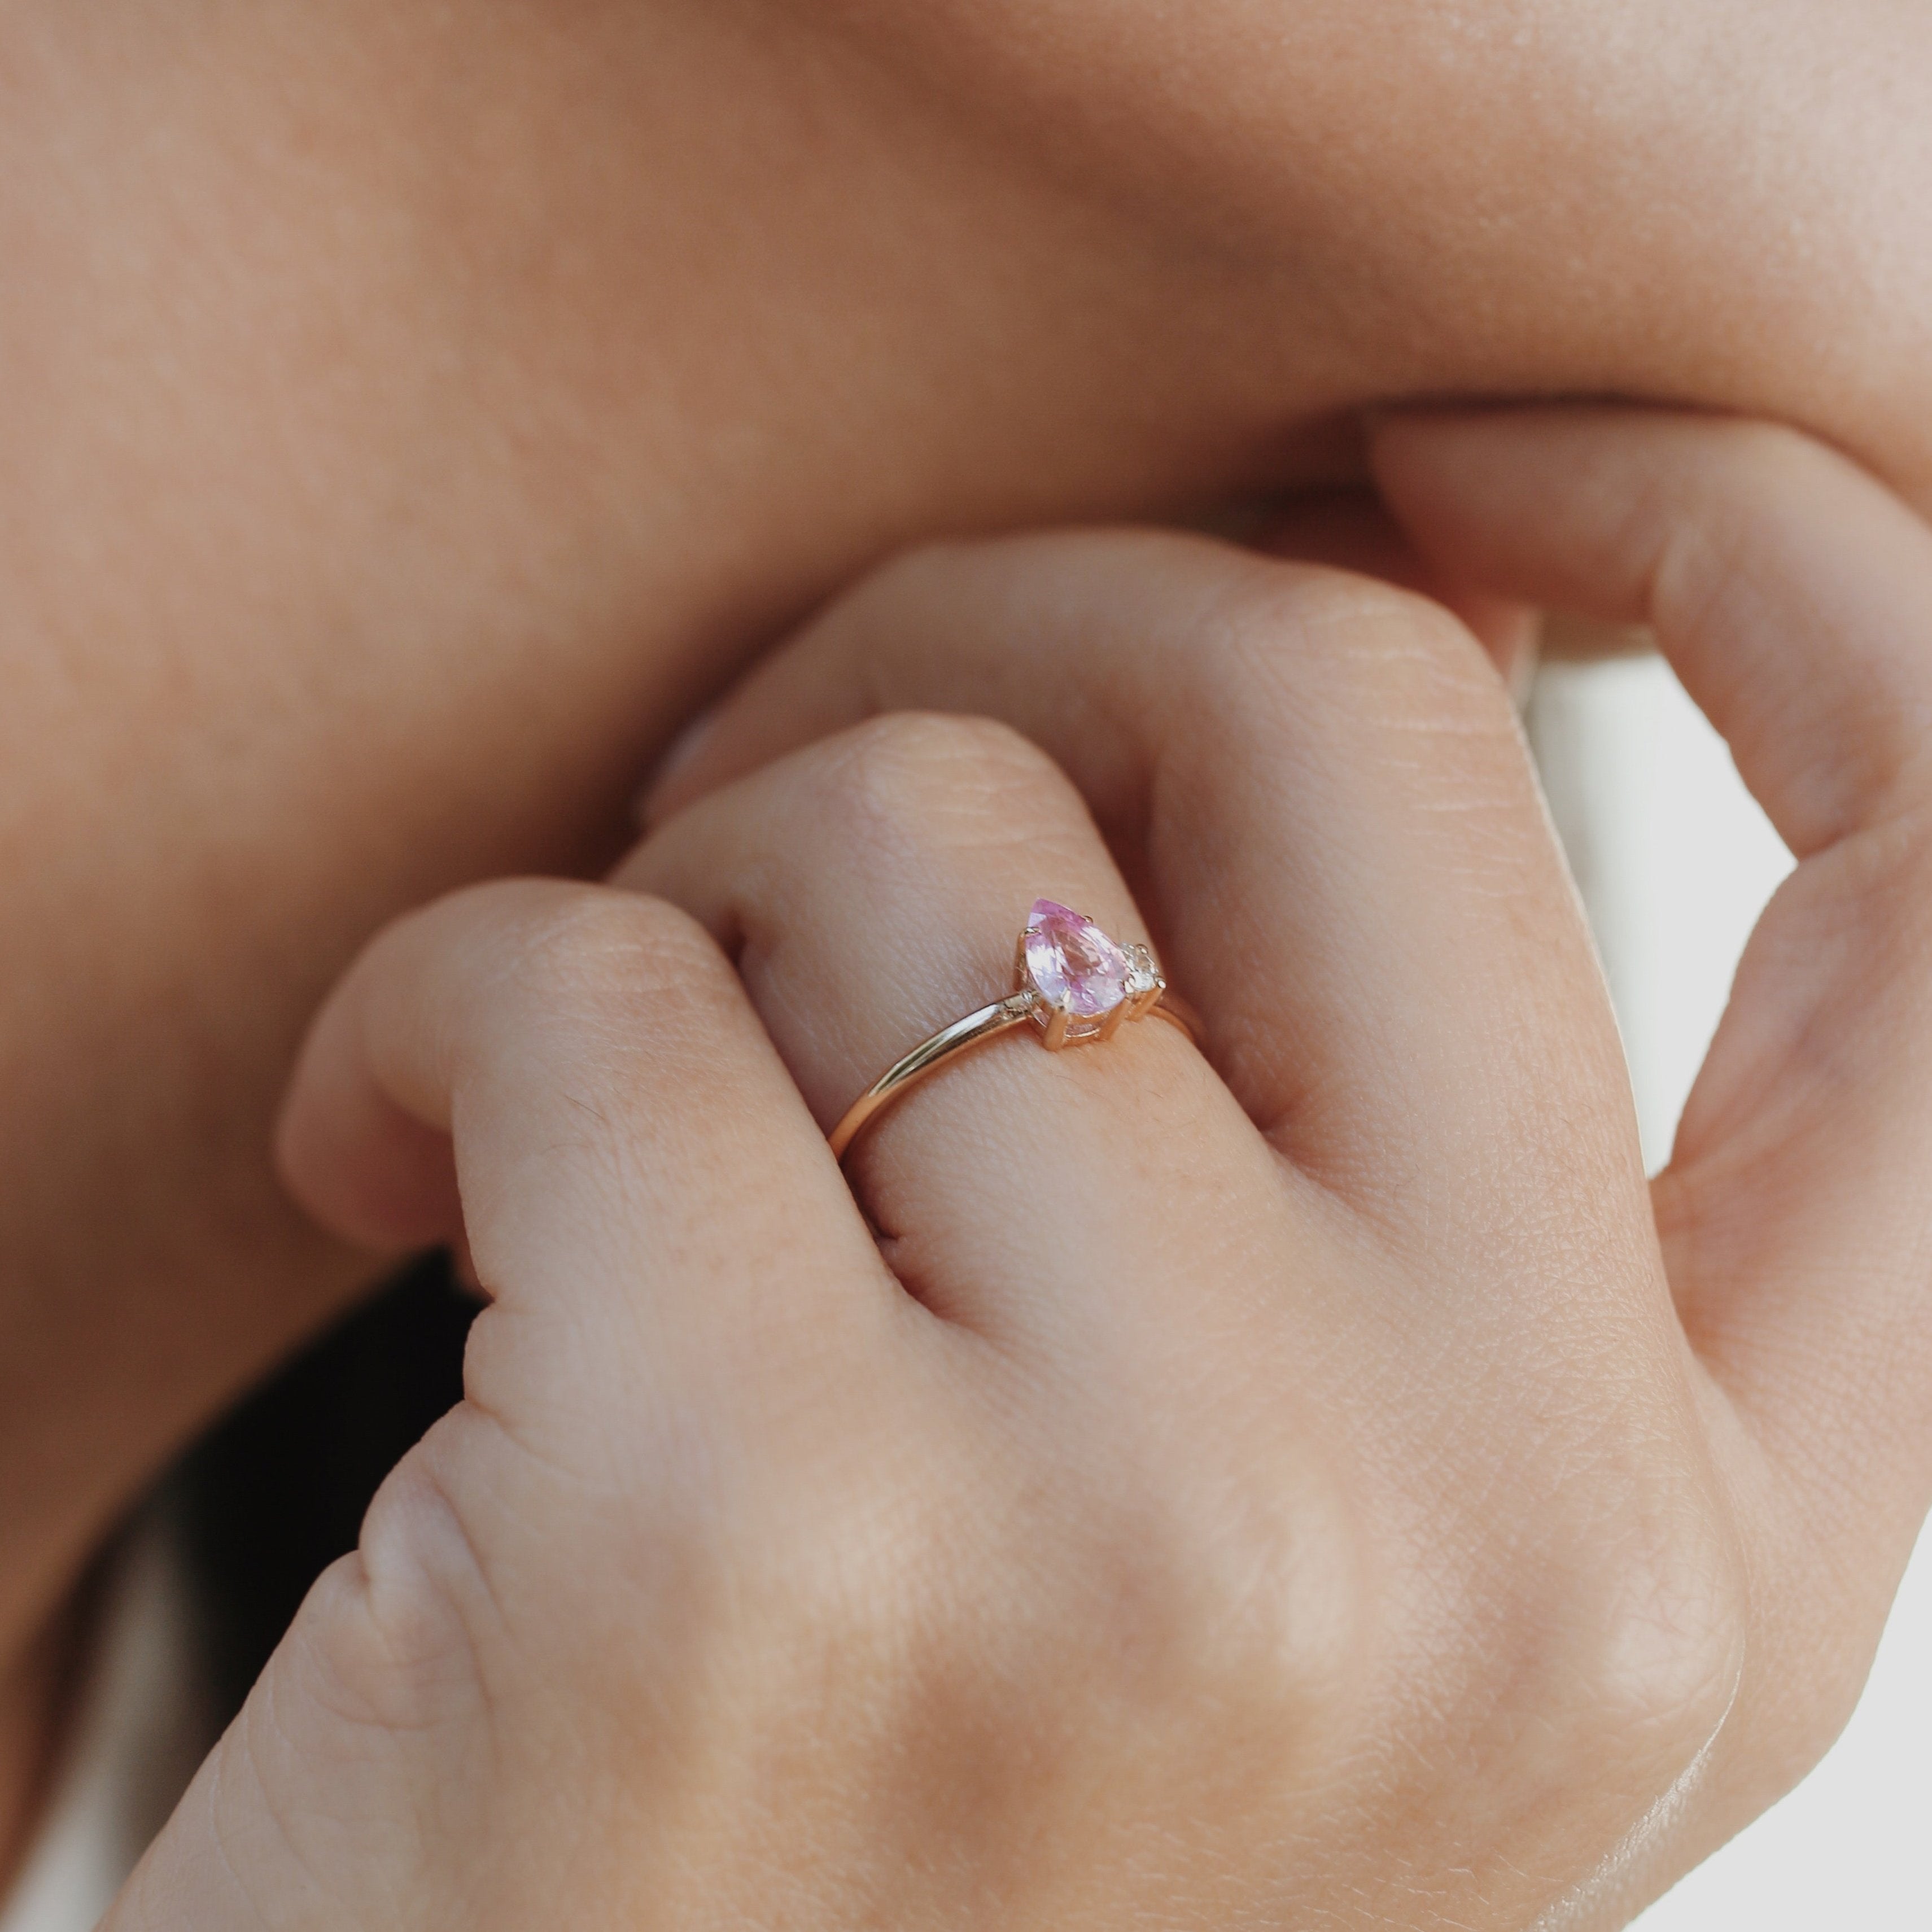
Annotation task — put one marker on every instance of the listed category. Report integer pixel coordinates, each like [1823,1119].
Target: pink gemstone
[1069,957]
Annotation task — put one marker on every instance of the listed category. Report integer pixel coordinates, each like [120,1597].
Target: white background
[1675,862]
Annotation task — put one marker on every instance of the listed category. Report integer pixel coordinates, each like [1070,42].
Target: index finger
[1791,592]
[627,1147]
[1793,596]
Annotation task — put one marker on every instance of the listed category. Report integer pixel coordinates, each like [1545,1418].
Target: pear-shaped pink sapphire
[1068,959]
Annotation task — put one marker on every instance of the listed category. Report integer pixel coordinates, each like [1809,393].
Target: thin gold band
[988,1023]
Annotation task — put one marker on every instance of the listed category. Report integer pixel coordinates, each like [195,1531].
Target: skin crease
[405,418]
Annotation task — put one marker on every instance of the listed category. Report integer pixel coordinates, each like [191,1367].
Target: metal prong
[1062,1018]
[1117,1017]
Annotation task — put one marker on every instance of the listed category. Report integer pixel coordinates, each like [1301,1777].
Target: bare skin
[405,420]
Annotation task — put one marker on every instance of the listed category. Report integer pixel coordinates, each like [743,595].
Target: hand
[1316,1483]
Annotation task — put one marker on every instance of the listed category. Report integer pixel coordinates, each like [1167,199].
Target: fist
[1309,1480]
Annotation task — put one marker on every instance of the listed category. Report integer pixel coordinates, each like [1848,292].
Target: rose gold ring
[1072,982]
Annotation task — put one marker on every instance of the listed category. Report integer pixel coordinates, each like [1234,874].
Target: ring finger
[871,887]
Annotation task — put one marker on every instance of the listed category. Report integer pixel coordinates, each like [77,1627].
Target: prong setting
[1060,1018]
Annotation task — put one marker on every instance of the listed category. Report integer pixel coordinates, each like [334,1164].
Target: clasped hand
[1312,1481]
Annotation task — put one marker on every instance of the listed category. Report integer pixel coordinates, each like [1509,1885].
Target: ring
[1075,984]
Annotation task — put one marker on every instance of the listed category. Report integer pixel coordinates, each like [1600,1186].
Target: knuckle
[385,1641]
[921,775]
[589,951]
[1246,1591]
[1663,1657]
[1320,657]
[1617,1654]
[1211,1630]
